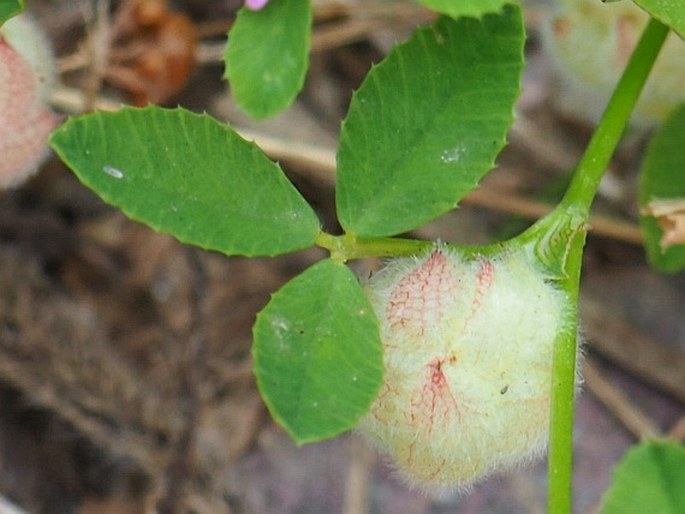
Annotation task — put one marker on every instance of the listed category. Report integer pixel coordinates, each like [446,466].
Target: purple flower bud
[255,5]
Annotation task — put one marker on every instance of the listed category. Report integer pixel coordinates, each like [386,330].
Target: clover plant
[457,361]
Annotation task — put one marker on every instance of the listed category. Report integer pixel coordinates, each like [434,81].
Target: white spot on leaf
[452,155]
[112,171]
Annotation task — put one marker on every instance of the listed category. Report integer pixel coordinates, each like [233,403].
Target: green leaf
[9,8]
[668,13]
[428,122]
[459,8]
[268,54]
[649,478]
[662,178]
[317,353]
[190,176]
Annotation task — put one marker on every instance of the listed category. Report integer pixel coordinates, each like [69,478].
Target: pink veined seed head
[467,354]
[420,300]
[588,44]
[25,121]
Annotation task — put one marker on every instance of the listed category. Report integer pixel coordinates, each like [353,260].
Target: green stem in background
[575,207]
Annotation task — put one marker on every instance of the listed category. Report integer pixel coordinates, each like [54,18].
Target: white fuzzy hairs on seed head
[467,352]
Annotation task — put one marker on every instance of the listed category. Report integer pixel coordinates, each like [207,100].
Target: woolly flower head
[26,79]
[467,353]
[589,44]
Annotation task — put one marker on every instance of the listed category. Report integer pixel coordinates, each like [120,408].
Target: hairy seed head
[25,120]
[589,44]
[467,354]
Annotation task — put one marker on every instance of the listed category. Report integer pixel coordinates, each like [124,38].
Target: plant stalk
[577,201]
[606,137]
[347,247]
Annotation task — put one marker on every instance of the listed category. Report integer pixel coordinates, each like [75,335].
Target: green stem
[596,158]
[576,207]
[347,247]
[560,456]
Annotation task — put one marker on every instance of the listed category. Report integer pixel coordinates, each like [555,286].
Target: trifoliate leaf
[268,54]
[662,195]
[459,8]
[428,122]
[190,176]
[668,13]
[9,8]
[649,478]
[317,353]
